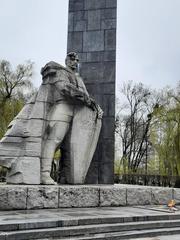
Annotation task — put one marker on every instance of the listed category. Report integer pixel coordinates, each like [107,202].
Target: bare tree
[133,124]
[14,87]
[11,82]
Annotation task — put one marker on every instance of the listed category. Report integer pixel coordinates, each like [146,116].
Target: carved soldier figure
[62,113]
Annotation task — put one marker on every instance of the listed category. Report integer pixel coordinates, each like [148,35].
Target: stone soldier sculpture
[60,115]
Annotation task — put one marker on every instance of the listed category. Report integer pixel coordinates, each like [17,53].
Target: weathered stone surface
[11,150]
[80,15]
[81,196]
[109,56]
[176,195]
[17,129]
[95,56]
[42,197]
[112,196]
[80,25]
[110,126]
[26,170]
[83,56]
[93,41]
[76,5]
[94,4]
[111,3]
[108,105]
[86,128]
[108,88]
[161,195]
[138,196]
[108,24]
[75,40]
[94,71]
[109,13]
[25,111]
[110,39]
[34,129]
[39,197]
[70,21]
[94,20]
[109,72]
[107,155]
[12,197]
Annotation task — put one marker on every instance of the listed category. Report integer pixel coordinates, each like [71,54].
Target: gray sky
[148,37]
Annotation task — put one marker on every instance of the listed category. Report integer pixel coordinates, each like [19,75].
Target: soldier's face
[72,62]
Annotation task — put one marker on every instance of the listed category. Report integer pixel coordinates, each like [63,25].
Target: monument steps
[126,228]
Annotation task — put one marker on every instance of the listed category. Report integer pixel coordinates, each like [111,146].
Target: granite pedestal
[14,197]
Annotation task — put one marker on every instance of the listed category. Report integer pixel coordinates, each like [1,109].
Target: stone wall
[92,33]
[41,197]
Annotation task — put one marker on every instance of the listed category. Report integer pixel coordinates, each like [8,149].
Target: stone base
[67,196]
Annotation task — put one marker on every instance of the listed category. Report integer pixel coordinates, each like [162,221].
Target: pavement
[70,215]
[169,237]
[82,213]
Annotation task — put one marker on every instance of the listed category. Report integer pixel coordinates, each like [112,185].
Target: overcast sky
[148,37]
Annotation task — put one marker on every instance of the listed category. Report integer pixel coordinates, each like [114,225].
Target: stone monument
[61,115]
[92,33]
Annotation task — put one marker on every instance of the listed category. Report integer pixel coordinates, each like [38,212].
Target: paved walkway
[169,237]
[72,215]
[80,213]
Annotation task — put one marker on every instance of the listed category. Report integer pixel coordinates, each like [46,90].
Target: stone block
[12,197]
[80,15]
[76,5]
[11,139]
[94,4]
[43,95]
[107,155]
[108,127]
[71,21]
[94,88]
[161,195]
[80,196]
[80,25]
[92,72]
[25,170]
[82,57]
[106,171]
[75,41]
[42,197]
[25,112]
[110,39]
[112,196]
[109,13]
[16,128]
[176,195]
[11,150]
[109,105]
[108,88]
[108,24]
[109,72]
[33,148]
[94,20]
[34,128]
[110,56]
[111,3]
[93,41]
[95,56]
[138,196]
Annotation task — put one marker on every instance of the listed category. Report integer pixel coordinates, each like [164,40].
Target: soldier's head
[72,60]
